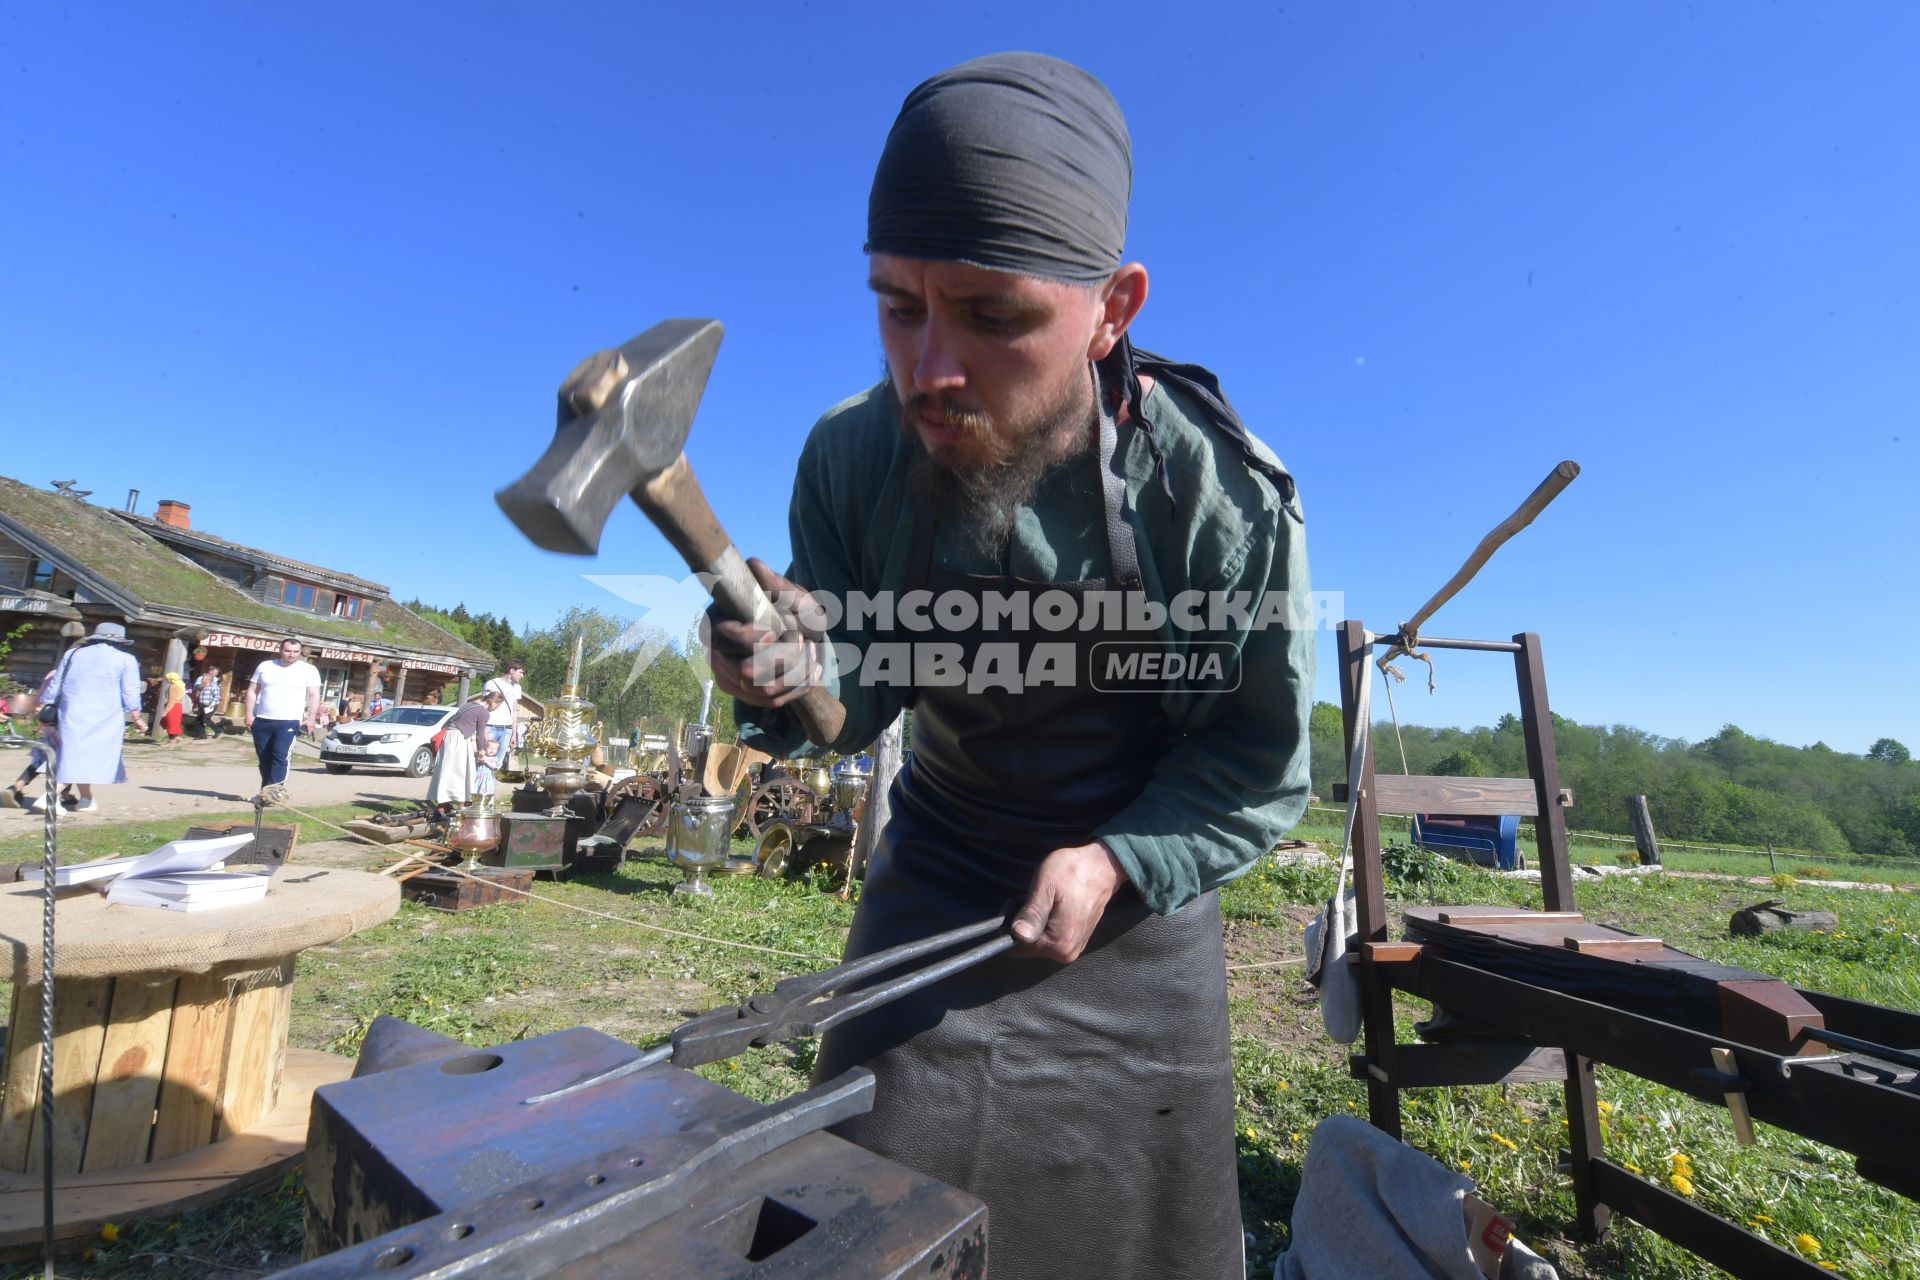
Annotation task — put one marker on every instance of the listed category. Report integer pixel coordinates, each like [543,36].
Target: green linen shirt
[1235,778]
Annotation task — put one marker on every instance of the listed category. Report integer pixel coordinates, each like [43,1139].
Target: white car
[398,738]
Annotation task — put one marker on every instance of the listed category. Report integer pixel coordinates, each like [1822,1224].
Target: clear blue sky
[317,272]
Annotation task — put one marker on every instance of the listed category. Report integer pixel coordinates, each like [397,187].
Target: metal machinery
[574,1155]
[793,841]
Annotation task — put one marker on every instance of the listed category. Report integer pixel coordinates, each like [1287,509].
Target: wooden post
[466,685]
[1773,868]
[1370,901]
[1556,884]
[1643,838]
[400,685]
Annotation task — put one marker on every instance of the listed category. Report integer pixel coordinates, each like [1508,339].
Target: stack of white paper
[182,875]
[187,890]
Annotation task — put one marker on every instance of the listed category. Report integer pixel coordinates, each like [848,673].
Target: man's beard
[987,494]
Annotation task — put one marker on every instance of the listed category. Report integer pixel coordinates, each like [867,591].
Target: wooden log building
[190,600]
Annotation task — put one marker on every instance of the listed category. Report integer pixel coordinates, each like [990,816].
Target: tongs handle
[808,1004]
[803,1005]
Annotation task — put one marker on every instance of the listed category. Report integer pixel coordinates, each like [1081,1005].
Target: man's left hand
[1069,894]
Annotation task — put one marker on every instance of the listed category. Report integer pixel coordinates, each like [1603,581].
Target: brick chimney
[173,513]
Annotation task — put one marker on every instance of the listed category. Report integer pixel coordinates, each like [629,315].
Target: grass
[511,972]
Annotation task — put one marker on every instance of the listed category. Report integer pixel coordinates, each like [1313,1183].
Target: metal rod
[47,876]
[1886,1054]
[1437,642]
[634,1067]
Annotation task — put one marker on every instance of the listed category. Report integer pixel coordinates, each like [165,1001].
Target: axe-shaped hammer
[623,419]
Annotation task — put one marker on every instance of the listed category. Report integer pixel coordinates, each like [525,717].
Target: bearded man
[1021,463]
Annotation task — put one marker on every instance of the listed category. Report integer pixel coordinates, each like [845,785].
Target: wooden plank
[1411,793]
[1468,1062]
[79,1029]
[23,1078]
[1764,1013]
[196,1058]
[274,848]
[244,1087]
[129,1084]
[1698,1230]
[258,1158]
[1495,916]
[1392,952]
[1612,947]
[282,1020]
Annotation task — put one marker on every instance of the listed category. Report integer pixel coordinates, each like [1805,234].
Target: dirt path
[216,775]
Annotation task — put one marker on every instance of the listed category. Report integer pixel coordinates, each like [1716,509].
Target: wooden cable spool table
[173,1082]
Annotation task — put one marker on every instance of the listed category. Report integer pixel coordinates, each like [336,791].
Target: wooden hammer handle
[674,502]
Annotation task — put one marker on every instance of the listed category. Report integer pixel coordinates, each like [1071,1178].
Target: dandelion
[1526,1119]
[1293,1137]
[1807,1245]
[1682,1183]
[1761,1217]
[1506,1142]
[1604,1108]
[1281,1084]
[1829,1265]
[1251,1135]
[1630,1166]
[1466,1166]
[109,1232]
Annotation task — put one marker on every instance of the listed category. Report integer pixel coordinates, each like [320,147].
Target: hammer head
[613,443]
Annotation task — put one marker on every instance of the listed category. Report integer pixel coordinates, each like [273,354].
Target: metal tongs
[808,1004]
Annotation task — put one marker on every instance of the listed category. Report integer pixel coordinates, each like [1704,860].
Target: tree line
[627,671]
[1732,788]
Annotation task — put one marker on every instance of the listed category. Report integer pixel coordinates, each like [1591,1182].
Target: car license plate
[347,749]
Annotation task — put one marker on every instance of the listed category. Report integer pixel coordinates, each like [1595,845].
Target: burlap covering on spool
[304,907]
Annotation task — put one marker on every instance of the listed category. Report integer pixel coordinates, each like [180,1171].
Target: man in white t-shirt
[282,700]
[504,725]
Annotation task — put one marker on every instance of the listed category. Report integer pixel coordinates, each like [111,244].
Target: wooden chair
[1386,1066]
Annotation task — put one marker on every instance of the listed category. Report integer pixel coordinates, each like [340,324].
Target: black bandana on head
[1014,162]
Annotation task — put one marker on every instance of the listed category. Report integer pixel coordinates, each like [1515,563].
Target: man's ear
[1121,298]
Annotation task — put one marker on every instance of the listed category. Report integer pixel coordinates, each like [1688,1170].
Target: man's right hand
[766,668]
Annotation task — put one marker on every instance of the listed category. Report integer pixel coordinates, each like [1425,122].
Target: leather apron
[1090,1105]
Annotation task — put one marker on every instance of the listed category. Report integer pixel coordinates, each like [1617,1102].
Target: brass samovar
[566,739]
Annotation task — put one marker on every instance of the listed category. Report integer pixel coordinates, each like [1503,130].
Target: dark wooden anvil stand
[438,1160]
[1545,995]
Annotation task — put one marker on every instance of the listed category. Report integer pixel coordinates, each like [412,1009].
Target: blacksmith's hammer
[623,419]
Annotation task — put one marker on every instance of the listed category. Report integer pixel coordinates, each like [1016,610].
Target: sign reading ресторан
[231,640]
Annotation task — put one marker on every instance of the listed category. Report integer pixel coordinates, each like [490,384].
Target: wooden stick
[1557,479]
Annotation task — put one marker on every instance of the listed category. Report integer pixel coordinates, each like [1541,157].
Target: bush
[1813,873]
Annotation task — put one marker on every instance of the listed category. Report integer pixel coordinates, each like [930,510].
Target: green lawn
[515,971]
